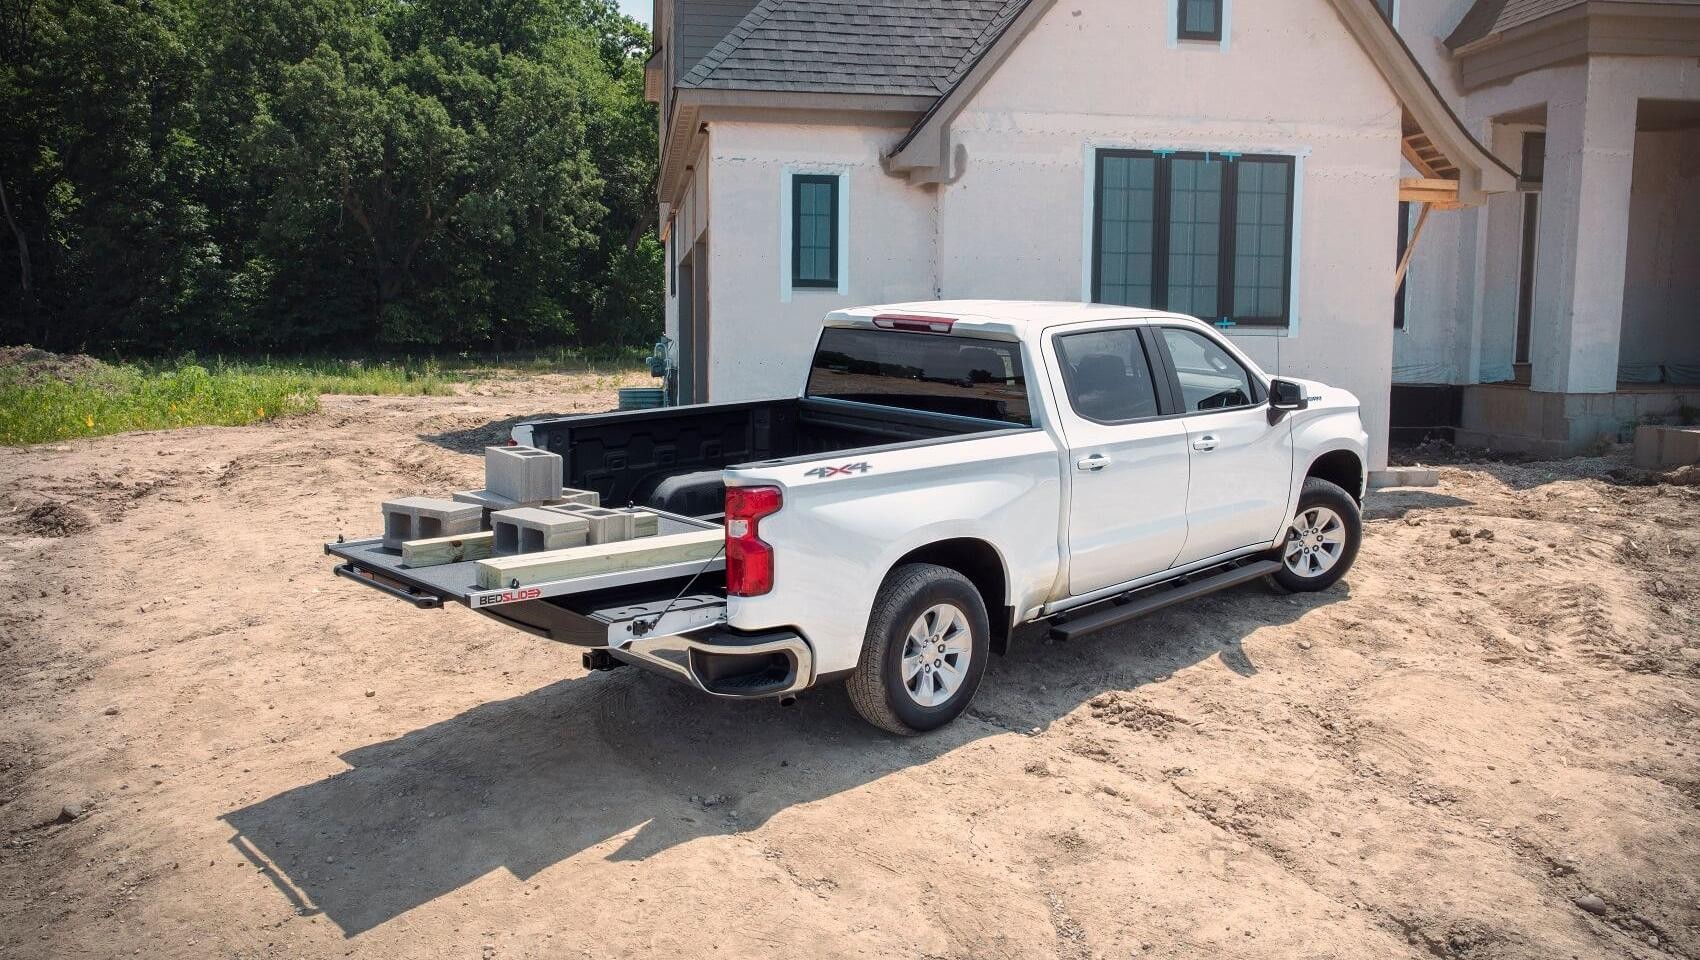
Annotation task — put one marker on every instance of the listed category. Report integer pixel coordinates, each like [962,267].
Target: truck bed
[368,560]
[671,458]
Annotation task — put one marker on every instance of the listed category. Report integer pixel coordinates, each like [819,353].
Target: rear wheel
[1322,541]
[924,652]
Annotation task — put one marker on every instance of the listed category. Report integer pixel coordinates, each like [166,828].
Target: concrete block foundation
[1515,418]
[1658,447]
[426,518]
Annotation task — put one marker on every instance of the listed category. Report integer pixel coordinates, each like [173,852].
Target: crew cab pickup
[948,472]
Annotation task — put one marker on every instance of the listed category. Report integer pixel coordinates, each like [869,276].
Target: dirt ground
[1485,743]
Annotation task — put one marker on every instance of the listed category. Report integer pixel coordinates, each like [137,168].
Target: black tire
[877,686]
[1319,494]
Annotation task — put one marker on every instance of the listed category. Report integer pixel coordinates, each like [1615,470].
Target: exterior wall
[763,332]
[1289,80]
[1661,322]
[690,221]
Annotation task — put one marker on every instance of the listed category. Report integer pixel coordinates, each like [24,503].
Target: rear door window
[1108,377]
[964,376]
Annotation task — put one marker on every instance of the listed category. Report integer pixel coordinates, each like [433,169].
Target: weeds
[45,397]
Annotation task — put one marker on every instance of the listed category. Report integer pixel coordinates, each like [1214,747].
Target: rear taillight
[749,559]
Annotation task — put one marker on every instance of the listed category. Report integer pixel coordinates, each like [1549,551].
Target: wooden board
[441,550]
[598,559]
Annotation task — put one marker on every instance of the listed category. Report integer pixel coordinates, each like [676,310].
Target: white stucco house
[1241,161]
[1566,310]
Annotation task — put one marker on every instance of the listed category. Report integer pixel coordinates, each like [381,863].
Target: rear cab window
[961,376]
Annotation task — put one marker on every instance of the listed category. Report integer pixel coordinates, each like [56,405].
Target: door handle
[1205,443]
[1095,462]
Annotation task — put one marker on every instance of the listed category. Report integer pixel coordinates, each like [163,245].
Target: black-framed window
[1399,249]
[1108,375]
[672,257]
[1201,233]
[1534,170]
[814,230]
[1199,20]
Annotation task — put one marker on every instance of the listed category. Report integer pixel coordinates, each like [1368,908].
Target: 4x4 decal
[827,473]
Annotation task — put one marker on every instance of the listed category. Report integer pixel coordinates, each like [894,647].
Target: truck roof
[1014,318]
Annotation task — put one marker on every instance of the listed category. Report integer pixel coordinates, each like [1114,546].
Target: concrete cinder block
[424,518]
[584,498]
[606,526]
[645,524]
[522,474]
[536,529]
[1659,447]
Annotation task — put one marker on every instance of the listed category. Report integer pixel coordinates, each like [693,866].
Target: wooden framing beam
[1415,159]
[441,550]
[590,561]
[1410,248]
[1434,193]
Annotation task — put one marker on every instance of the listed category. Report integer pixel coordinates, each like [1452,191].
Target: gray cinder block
[645,524]
[424,518]
[522,474]
[586,498]
[606,526]
[535,529]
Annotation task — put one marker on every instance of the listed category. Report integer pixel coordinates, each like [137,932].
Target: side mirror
[1285,395]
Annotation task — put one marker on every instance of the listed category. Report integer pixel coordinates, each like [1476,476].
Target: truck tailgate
[367,561]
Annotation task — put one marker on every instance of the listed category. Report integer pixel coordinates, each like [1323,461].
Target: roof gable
[926,154]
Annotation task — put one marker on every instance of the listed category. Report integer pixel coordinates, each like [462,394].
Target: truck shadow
[624,765]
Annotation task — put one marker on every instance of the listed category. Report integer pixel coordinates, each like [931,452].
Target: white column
[1584,231]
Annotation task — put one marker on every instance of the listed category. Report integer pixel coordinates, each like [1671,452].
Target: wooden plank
[441,550]
[598,559]
[1415,159]
[1410,248]
[1437,193]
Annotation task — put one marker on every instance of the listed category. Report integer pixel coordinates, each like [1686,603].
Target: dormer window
[1200,20]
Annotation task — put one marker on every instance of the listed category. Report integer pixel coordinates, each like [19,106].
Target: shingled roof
[1497,16]
[904,47]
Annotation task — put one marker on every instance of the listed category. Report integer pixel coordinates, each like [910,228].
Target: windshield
[965,376]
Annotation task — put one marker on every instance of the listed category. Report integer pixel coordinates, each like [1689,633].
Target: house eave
[694,107]
[1590,29]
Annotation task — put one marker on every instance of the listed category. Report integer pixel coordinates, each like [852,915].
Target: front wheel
[1322,540]
[924,652]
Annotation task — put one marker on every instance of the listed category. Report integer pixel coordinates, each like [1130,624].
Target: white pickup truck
[949,472]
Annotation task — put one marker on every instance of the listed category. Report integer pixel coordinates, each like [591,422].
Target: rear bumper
[725,663]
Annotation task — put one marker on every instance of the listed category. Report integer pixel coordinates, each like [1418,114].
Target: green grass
[97,399]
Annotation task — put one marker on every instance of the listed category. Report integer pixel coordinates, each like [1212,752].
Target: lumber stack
[587,561]
[525,526]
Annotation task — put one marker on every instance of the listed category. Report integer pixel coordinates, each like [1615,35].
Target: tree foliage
[311,174]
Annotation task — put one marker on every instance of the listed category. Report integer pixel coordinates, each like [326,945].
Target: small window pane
[1201,19]
[815,231]
[1107,375]
[1195,236]
[1126,218]
[1261,230]
[1211,379]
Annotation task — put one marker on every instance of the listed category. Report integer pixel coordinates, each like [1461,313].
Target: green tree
[297,174]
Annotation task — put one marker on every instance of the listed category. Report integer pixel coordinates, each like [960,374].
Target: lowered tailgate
[369,562]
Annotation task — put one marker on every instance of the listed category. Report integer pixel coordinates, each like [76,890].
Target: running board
[1156,598]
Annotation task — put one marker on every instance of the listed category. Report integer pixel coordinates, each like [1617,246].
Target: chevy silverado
[948,472]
